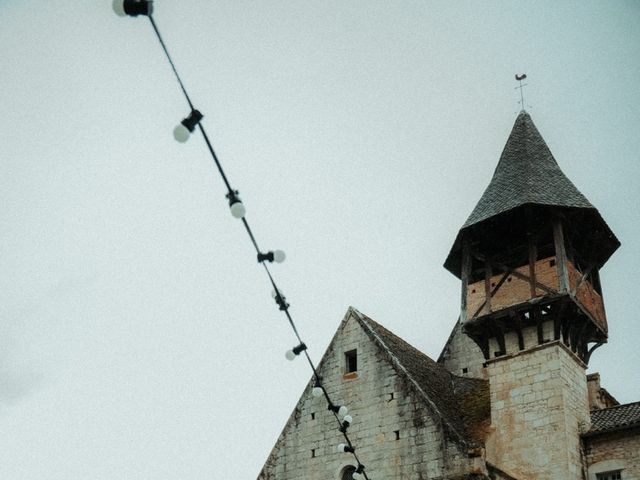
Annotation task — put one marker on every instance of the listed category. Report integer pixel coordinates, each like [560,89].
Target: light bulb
[342,411]
[279,256]
[290,355]
[275,295]
[356,476]
[317,392]
[118,7]
[238,210]
[181,133]
[348,418]
[341,447]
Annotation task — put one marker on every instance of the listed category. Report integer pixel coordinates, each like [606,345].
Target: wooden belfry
[529,255]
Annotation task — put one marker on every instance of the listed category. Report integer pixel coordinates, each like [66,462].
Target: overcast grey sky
[138,338]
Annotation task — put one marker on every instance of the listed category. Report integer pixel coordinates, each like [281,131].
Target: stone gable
[396,432]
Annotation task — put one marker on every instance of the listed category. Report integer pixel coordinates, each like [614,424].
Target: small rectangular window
[351,361]
[313,453]
[612,475]
[313,415]
[465,370]
[397,432]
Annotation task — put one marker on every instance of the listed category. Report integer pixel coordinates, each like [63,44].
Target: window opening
[612,475]
[397,432]
[313,415]
[313,453]
[347,473]
[351,361]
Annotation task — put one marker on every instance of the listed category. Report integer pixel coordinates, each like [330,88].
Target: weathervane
[520,77]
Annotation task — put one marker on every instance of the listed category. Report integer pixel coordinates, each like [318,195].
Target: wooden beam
[561,255]
[498,332]
[517,320]
[557,320]
[502,267]
[540,331]
[487,285]
[587,355]
[586,273]
[533,257]
[493,292]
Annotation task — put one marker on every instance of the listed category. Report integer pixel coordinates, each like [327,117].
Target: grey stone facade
[508,398]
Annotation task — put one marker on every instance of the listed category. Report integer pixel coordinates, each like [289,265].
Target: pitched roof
[462,403]
[615,418]
[527,173]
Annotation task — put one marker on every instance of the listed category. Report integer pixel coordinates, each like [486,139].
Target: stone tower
[528,257]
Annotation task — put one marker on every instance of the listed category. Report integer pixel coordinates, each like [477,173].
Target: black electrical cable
[173,67]
[285,306]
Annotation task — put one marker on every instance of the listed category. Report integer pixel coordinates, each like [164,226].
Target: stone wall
[462,356]
[538,410]
[395,435]
[598,397]
[614,451]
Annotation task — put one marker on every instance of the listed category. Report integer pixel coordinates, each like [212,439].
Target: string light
[132,8]
[277,256]
[346,422]
[317,390]
[235,204]
[185,128]
[339,410]
[295,351]
[359,473]
[181,133]
[344,448]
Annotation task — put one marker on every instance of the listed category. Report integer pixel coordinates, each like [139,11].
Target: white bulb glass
[317,392]
[342,411]
[290,355]
[341,447]
[118,7]
[279,256]
[238,210]
[356,476]
[274,295]
[348,418]
[181,133]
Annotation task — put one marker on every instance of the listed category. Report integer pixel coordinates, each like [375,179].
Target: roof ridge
[616,406]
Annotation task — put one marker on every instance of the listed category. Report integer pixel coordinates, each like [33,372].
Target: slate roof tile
[527,173]
[615,418]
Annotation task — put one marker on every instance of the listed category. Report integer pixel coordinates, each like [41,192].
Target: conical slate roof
[527,173]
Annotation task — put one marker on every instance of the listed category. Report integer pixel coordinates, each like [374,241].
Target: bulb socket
[133,8]
[192,120]
[265,257]
[299,349]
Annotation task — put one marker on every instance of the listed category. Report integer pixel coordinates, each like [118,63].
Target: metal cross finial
[520,77]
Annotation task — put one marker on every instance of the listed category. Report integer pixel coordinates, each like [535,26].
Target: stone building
[508,397]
